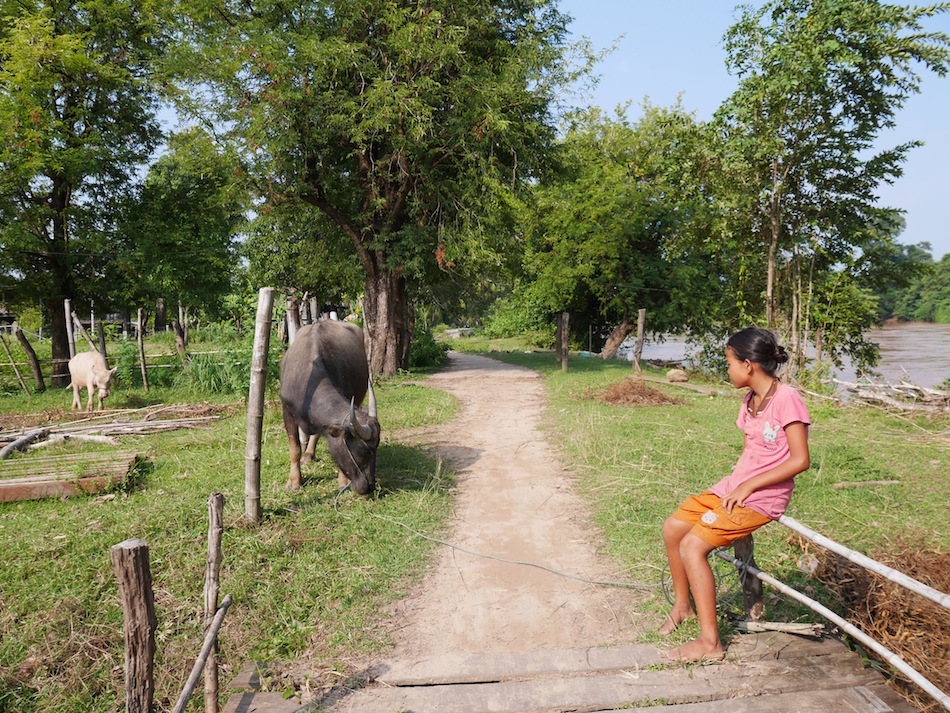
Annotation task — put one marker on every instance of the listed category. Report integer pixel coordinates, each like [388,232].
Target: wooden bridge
[763,673]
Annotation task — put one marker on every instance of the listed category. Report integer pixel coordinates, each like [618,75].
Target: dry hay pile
[912,626]
[634,392]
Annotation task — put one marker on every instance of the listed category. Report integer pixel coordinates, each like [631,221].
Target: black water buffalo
[323,377]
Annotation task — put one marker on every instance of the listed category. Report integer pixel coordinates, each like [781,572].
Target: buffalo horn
[362,431]
[372,399]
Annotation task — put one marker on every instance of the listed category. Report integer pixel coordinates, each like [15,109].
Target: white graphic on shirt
[770,433]
[709,517]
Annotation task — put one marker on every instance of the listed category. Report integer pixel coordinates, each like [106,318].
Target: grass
[312,579]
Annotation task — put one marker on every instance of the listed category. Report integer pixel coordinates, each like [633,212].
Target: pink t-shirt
[766,447]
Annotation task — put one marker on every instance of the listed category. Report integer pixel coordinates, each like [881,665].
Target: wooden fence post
[70,338]
[751,586]
[293,318]
[255,405]
[131,567]
[638,347]
[212,588]
[140,336]
[563,339]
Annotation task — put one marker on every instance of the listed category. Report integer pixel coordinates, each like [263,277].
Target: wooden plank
[262,703]
[677,685]
[93,479]
[504,666]
[859,699]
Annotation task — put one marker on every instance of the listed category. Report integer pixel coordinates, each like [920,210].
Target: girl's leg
[693,551]
[674,531]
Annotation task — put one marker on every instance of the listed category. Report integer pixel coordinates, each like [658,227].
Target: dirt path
[514,502]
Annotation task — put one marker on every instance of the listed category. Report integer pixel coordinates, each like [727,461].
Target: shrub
[425,351]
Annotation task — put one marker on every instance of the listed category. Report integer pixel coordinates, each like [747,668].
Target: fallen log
[22,442]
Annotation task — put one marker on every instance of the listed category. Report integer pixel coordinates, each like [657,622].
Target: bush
[425,351]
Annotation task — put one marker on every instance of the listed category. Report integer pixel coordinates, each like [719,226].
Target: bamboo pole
[131,567]
[866,562]
[212,588]
[140,336]
[16,371]
[255,405]
[84,333]
[210,638]
[70,337]
[889,656]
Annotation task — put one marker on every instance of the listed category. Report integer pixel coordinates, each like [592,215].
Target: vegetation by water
[312,579]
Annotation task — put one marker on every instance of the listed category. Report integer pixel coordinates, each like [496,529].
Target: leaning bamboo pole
[866,562]
[885,653]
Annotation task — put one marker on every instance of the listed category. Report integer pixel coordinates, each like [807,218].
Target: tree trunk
[161,315]
[60,346]
[617,335]
[384,319]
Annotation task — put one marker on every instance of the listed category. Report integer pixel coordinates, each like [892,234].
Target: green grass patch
[312,579]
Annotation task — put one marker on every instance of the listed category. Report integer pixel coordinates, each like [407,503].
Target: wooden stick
[16,371]
[210,638]
[212,588]
[84,333]
[30,357]
[758,626]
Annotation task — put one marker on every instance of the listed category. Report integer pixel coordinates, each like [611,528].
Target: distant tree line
[427,162]
[926,297]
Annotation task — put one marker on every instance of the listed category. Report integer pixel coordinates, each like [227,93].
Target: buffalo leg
[293,438]
[311,448]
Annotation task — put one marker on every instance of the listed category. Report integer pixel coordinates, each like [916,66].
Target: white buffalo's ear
[113,370]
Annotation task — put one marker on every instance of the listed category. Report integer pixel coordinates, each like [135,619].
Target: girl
[775,422]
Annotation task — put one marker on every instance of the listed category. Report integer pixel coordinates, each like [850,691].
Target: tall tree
[176,234]
[819,80]
[76,117]
[609,229]
[409,125]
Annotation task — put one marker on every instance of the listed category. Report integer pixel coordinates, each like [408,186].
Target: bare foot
[696,651]
[673,620]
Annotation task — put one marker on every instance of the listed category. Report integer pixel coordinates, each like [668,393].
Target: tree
[608,229]
[77,117]
[411,128]
[175,237]
[819,80]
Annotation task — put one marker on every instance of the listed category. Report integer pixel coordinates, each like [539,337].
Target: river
[919,351]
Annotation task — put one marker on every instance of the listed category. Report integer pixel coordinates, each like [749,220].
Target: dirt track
[514,502]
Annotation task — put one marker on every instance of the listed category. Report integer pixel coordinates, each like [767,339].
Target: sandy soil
[517,503]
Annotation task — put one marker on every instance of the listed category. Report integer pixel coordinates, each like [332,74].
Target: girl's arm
[796,433]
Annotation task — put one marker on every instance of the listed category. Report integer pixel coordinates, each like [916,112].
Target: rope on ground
[627,585]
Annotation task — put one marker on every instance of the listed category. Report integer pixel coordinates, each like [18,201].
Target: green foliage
[411,130]
[600,236]
[77,119]
[426,352]
[927,299]
[796,189]
[176,234]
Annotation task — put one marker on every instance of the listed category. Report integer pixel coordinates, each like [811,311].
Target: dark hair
[759,346]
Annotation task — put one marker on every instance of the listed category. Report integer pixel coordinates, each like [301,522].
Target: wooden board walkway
[65,475]
[764,673]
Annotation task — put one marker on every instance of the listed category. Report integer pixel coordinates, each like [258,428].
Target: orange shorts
[713,524]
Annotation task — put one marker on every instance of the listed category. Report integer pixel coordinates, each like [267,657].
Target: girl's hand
[736,497]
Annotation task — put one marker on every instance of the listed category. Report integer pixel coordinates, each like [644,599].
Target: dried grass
[908,624]
[633,391]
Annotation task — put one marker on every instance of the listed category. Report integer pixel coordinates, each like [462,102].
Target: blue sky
[671,49]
